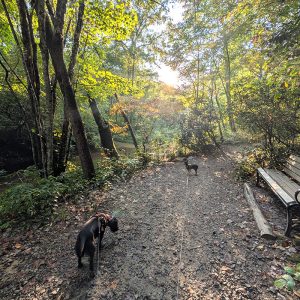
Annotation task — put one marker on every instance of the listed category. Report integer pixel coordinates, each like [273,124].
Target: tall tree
[104,130]
[55,44]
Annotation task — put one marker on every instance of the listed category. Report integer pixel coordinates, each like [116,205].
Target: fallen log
[262,224]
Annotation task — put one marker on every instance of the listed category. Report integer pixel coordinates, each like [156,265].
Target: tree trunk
[228,85]
[66,128]
[221,118]
[49,95]
[104,131]
[29,58]
[214,93]
[55,46]
[61,161]
[126,119]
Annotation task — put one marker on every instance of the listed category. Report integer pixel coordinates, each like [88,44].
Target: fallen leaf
[285,244]
[297,293]
[260,247]
[225,269]
[18,246]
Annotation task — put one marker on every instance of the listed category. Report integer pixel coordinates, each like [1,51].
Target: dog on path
[190,167]
[92,229]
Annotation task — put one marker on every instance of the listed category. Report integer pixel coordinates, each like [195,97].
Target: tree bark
[55,45]
[104,131]
[126,119]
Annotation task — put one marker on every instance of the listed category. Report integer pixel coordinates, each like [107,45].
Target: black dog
[88,234]
[190,167]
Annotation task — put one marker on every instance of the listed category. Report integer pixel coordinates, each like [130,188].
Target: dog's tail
[79,247]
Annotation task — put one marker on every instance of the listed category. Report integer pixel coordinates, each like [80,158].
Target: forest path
[180,237]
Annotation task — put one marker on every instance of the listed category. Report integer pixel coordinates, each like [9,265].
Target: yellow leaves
[57,133]
[119,129]
[103,82]
[71,167]
[116,108]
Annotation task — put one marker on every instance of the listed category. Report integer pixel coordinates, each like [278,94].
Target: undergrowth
[260,157]
[34,198]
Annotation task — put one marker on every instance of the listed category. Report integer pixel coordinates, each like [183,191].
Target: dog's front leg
[100,239]
[80,265]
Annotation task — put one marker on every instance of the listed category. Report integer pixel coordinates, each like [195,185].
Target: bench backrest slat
[295,158]
[292,174]
[292,167]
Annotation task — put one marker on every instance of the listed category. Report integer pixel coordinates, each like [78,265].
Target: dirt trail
[181,237]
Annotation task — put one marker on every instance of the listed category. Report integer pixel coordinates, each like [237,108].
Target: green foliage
[36,197]
[290,279]
[261,157]
[250,162]
[198,127]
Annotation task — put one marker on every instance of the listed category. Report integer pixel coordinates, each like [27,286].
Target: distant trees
[267,89]
[242,58]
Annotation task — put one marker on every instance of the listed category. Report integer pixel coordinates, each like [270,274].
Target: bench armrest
[296,196]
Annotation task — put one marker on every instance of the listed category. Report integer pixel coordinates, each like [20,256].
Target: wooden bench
[285,184]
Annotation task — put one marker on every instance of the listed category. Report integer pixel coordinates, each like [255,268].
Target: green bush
[261,157]
[250,162]
[36,197]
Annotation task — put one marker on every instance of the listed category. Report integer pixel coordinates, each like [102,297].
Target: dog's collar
[107,217]
[102,222]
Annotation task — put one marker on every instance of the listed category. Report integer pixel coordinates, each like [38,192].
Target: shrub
[36,197]
[261,157]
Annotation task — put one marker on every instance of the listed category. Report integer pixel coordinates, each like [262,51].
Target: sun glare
[176,12]
[168,76]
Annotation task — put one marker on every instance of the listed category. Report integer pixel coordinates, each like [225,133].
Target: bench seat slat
[284,196]
[284,181]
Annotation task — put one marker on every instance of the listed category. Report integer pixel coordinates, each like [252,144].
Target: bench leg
[257,178]
[288,228]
